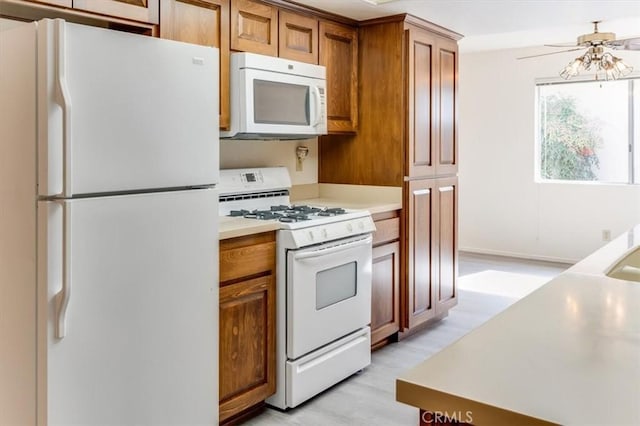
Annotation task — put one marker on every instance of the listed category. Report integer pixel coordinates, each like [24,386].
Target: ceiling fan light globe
[622,68]
[572,69]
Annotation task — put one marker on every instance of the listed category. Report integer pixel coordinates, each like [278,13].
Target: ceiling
[495,24]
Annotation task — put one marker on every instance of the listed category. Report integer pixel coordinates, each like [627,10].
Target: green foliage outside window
[569,141]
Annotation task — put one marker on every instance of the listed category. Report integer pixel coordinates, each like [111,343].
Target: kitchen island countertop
[569,353]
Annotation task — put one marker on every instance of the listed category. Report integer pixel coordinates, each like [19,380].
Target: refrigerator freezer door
[140,276]
[121,112]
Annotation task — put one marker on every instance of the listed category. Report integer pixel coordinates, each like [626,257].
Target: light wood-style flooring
[368,398]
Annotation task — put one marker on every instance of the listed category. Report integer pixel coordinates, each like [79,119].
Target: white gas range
[323,282]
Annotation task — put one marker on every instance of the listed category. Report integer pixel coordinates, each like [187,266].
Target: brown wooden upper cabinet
[339,54]
[431,93]
[298,37]
[447,52]
[204,22]
[136,10]
[254,27]
[408,109]
[421,147]
[63,3]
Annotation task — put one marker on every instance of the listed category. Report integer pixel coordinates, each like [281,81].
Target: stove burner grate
[289,214]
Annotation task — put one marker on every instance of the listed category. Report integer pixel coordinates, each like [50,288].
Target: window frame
[633,129]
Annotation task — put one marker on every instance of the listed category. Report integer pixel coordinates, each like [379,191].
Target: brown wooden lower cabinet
[431,228]
[247,323]
[385,279]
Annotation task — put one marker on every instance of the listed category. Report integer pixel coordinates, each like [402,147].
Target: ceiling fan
[596,55]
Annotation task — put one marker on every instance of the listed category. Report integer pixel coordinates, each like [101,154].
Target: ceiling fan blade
[625,44]
[561,45]
[551,53]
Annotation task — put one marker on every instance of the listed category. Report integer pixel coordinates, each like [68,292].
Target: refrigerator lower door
[128,309]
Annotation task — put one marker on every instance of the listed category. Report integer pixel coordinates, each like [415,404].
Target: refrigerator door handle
[62,298]
[65,103]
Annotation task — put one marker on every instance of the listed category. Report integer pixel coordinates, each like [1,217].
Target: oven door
[328,293]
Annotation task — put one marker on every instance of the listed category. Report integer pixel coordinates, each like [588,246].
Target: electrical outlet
[606,235]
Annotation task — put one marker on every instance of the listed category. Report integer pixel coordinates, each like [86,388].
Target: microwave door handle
[334,249]
[318,104]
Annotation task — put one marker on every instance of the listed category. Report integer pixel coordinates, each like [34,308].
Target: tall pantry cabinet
[407,137]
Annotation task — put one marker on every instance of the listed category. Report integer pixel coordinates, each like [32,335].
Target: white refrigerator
[108,228]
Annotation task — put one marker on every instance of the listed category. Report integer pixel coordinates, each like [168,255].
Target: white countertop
[373,199]
[568,353]
[231,227]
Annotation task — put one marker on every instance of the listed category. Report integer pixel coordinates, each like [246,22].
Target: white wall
[238,154]
[502,210]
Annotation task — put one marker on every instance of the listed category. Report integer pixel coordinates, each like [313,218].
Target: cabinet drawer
[386,230]
[246,261]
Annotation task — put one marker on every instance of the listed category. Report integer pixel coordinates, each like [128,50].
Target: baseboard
[518,255]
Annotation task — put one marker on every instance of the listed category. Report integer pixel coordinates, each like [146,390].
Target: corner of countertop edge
[476,413]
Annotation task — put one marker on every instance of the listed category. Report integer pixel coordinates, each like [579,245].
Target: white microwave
[275,98]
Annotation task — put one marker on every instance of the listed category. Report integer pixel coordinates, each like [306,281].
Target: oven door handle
[334,249]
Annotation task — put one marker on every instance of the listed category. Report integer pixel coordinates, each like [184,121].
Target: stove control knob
[349,227]
[325,234]
[311,235]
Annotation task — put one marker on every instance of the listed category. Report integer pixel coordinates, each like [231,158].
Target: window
[587,131]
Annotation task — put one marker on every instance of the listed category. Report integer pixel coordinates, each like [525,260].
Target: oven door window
[280,103]
[328,293]
[336,284]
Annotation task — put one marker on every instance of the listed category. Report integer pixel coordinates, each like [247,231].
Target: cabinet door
[254,27]
[247,322]
[339,54]
[447,240]
[421,148]
[447,107]
[420,253]
[385,286]
[247,344]
[64,3]
[298,37]
[204,22]
[137,10]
